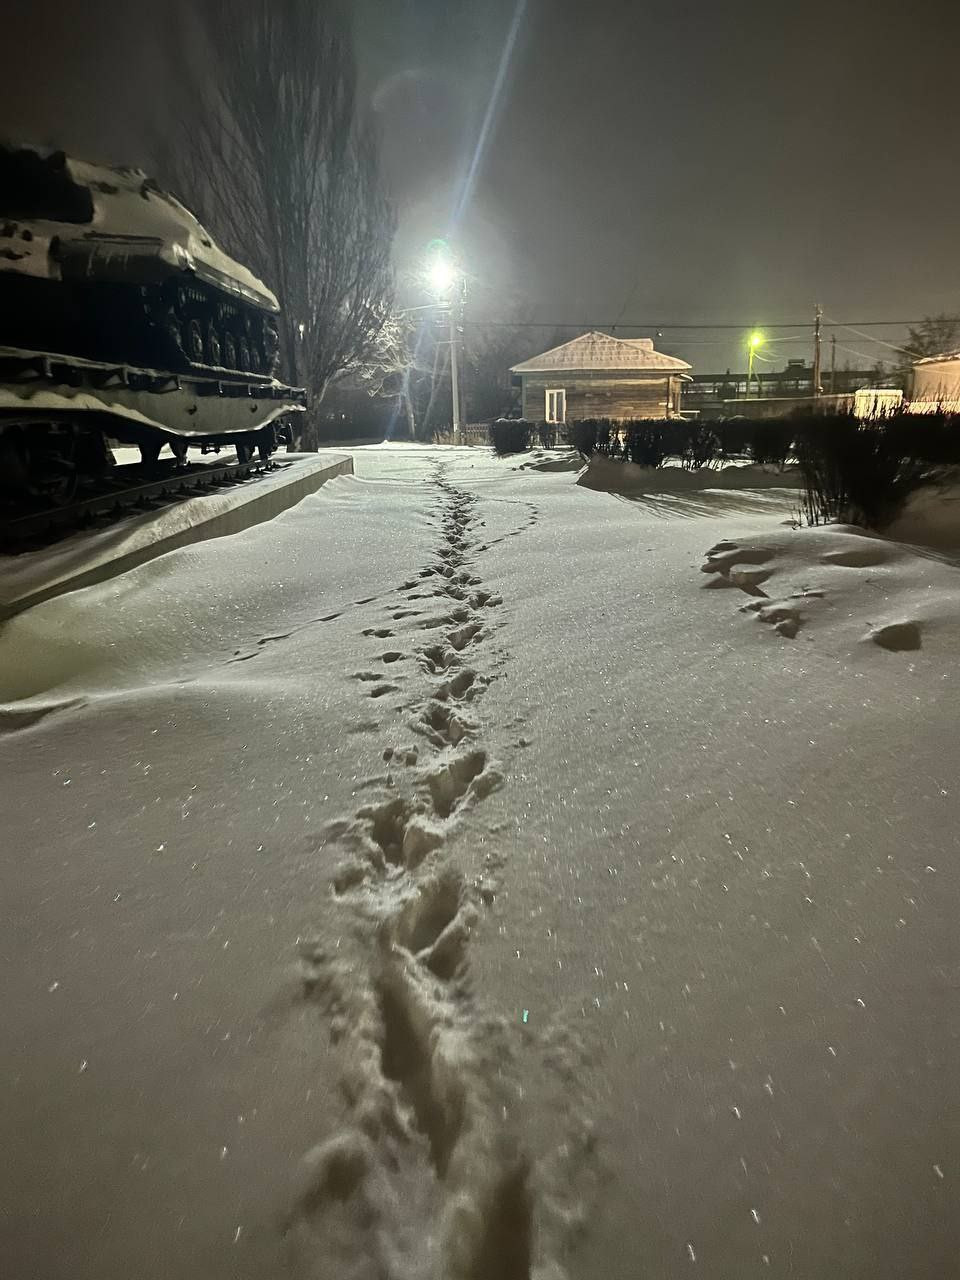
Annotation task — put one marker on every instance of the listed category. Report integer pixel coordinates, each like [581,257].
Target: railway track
[127,488]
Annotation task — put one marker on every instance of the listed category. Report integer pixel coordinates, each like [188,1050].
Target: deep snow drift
[448,880]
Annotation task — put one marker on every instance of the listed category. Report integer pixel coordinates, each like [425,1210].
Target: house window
[556,406]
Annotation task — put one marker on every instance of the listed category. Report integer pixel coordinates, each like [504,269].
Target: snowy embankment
[98,553]
[610,475]
[447,880]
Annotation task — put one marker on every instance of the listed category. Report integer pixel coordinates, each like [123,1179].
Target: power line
[850,351]
[806,325]
[891,345]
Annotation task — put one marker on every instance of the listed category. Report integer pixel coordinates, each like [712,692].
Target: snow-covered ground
[447,879]
[98,552]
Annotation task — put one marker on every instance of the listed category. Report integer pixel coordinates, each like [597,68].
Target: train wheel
[150,452]
[53,467]
[173,330]
[266,442]
[244,451]
[193,341]
[214,353]
[61,489]
[179,449]
[229,347]
[271,346]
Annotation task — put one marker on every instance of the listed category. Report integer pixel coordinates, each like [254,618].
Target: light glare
[441,276]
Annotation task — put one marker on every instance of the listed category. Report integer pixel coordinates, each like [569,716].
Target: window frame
[555,391]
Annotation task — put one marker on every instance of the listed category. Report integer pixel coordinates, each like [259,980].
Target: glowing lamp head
[441,276]
[756,340]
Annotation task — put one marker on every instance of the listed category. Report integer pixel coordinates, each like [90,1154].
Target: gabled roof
[593,352]
[940,359]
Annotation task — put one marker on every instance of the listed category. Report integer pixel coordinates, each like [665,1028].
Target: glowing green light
[756,339]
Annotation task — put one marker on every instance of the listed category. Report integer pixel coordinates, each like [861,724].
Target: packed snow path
[439,882]
[431,1107]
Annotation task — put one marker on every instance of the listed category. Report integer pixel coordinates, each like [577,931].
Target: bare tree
[933,336]
[278,158]
[410,362]
[390,369]
[491,351]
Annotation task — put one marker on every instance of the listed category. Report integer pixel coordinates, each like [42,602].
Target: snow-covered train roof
[118,213]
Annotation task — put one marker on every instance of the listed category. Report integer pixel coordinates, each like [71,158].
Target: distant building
[599,376]
[936,384]
[877,402]
[773,392]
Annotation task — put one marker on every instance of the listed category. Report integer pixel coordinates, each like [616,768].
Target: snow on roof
[945,355]
[600,351]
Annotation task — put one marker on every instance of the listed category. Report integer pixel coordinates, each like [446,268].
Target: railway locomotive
[121,320]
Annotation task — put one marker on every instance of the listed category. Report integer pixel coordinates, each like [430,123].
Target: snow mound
[844,586]
[607,475]
[552,460]
[931,517]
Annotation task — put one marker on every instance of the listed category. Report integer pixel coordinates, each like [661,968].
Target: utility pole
[455,364]
[817,388]
[833,364]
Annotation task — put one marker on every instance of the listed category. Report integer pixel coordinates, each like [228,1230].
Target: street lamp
[755,340]
[441,276]
[446,281]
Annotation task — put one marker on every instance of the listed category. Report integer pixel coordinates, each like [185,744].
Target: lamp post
[447,282]
[755,340]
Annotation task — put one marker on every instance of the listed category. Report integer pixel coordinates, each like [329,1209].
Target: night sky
[643,163]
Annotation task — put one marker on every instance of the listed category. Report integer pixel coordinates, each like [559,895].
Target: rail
[19,530]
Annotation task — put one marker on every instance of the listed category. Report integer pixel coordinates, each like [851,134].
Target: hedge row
[649,442]
[860,472]
[513,435]
[863,472]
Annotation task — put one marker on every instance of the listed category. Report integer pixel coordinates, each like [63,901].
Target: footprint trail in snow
[427,1179]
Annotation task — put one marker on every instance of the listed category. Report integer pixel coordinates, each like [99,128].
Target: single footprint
[461,638]
[460,686]
[450,781]
[438,657]
[897,636]
[381,689]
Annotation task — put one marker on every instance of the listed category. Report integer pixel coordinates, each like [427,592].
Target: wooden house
[599,376]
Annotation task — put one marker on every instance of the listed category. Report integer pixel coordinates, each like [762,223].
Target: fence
[546,435]
[471,433]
